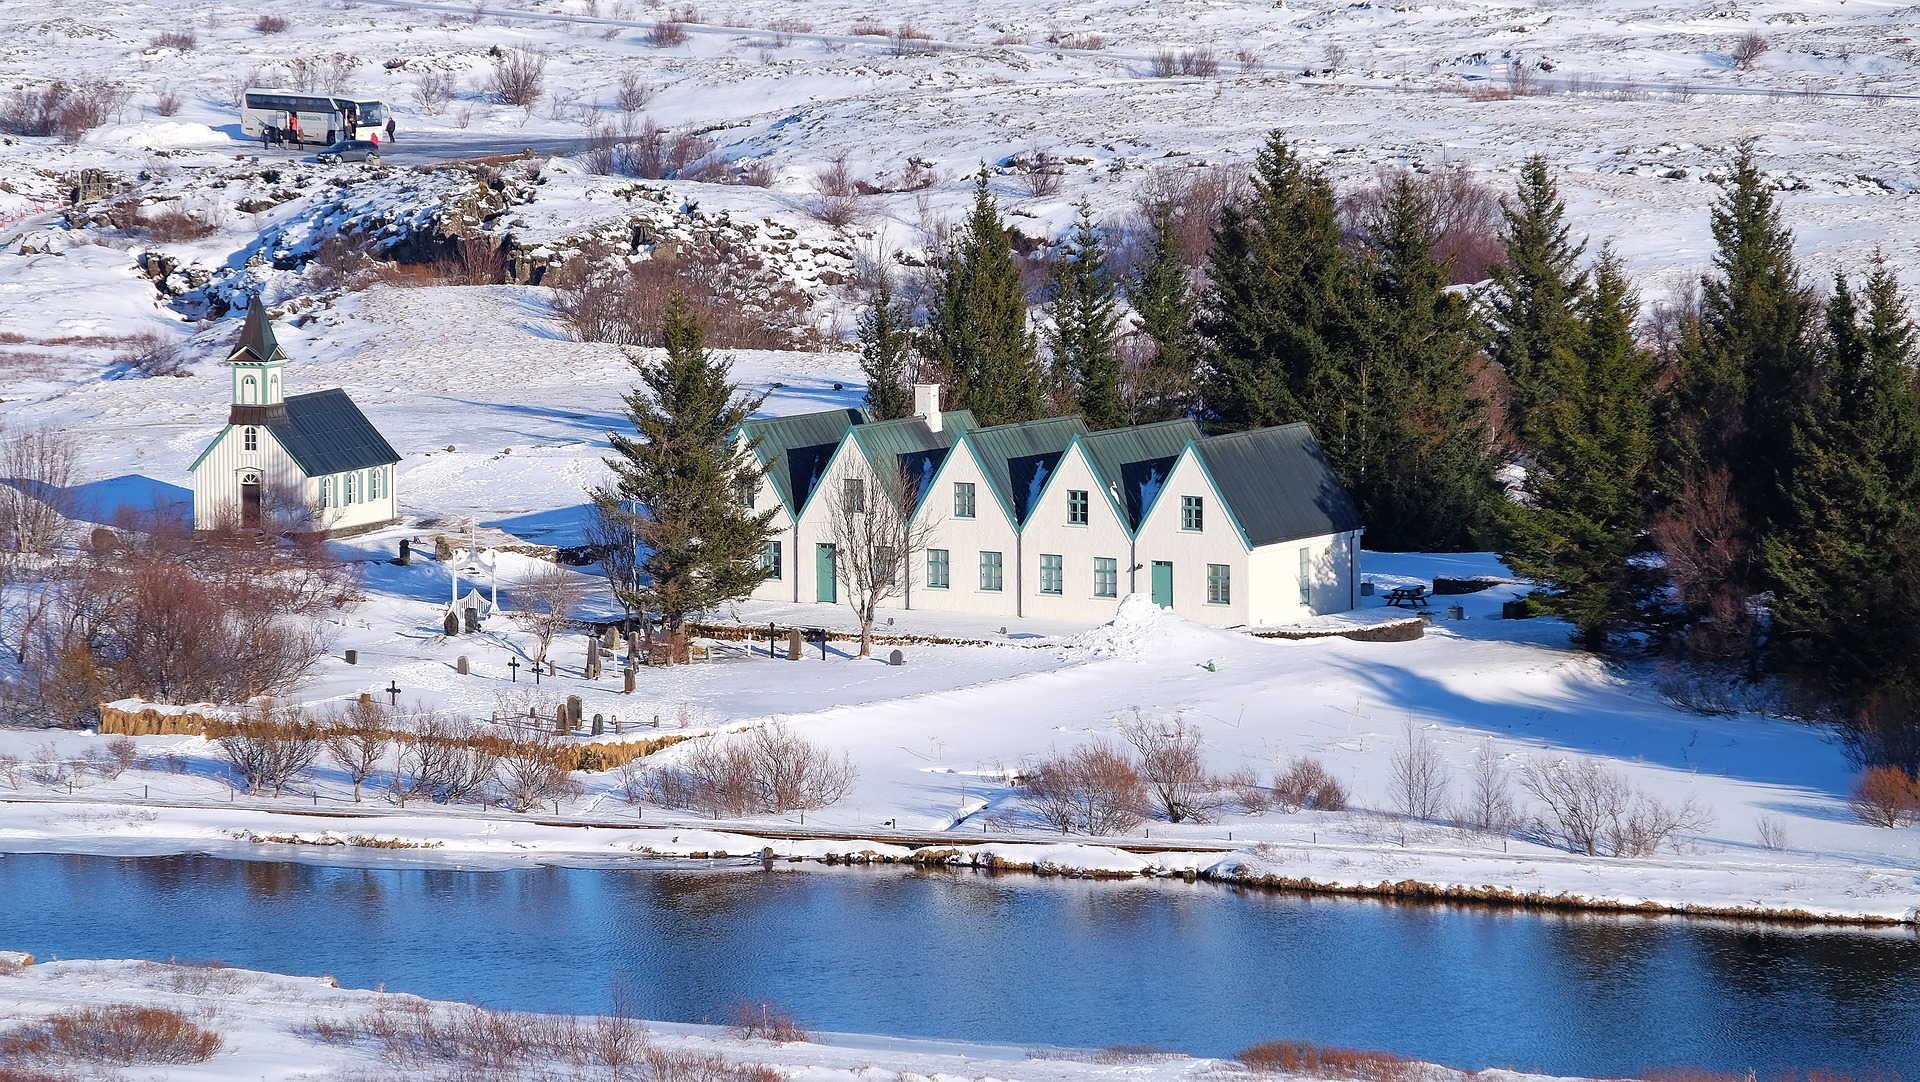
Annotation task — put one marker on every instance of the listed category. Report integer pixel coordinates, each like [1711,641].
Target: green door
[825,585]
[1163,584]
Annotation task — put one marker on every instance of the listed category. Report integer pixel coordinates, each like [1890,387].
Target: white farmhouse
[305,463]
[1046,519]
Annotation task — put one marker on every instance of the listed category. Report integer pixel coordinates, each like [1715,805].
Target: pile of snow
[1141,628]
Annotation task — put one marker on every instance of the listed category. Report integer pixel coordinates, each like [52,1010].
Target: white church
[305,463]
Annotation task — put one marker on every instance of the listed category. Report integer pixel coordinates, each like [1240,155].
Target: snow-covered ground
[277,1027]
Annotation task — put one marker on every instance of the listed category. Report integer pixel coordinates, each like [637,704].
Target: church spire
[257,344]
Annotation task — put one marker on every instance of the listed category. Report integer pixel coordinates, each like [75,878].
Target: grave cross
[393,691]
[513,668]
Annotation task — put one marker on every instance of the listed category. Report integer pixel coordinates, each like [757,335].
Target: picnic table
[1411,596]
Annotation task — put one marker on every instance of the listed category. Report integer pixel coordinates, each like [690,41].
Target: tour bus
[323,118]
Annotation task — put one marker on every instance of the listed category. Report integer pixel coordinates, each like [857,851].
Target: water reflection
[1019,960]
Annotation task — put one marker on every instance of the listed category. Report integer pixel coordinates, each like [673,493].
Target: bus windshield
[371,112]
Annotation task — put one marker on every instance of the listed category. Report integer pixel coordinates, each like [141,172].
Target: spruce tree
[886,353]
[1161,293]
[681,477]
[1586,492]
[1413,436]
[1085,338]
[1844,560]
[1535,290]
[1273,319]
[977,322]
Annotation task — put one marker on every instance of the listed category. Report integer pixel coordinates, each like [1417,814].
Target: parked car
[350,150]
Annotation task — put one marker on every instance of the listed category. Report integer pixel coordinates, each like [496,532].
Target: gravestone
[472,620]
[451,623]
[627,689]
[560,720]
[553,668]
[406,553]
[633,648]
[610,638]
[573,710]
[896,658]
[461,666]
[593,657]
[616,725]
[795,643]
[599,725]
[353,657]
[442,549]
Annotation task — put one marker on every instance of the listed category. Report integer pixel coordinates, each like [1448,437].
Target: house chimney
[926,403]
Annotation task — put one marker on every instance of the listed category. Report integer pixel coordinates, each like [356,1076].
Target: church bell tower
[257,364]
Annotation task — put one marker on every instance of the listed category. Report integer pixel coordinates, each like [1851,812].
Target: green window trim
[1193,513]
[963,499]
[1106,576]
[771,562]
[938,570]
[1076,507]
[1219,584]
[1053,578]
[992,577]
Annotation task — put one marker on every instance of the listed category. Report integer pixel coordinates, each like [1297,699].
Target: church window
[348,497]
[250,438]
[377,483]
[326,493]
[249,391]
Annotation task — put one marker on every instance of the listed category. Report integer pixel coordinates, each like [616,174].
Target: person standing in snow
[389,129]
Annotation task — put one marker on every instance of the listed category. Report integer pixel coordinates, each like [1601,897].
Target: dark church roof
[326,433]
[257,344]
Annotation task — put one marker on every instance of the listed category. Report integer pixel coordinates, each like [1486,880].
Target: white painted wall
[1218,541]
[782,587]
[990,530]
[1275,571]
[216,485]
[1048,532]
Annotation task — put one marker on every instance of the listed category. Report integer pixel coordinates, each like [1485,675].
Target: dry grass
[119,1035]
[1885,796]
[1322,1061]
[173,225]
[764,1020]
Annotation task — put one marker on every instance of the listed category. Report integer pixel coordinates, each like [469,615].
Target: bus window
[371,112]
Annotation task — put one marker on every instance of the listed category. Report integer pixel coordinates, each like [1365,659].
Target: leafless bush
[272,746]
[1077,39]
[764,1020]
[1093,789]
[1771,832]
[648,151]
[175,225]
[152,353]
[1419,777]
[519,76]
[1596,811]
[1304,1059]
[543,603]
[1043,173]
[868,28]
[1248,60]
[1750,47]
[166,102]
[446,761]
[533,772]
[1196,198]
[1166,63]
[118,1035]
[1171,766]
[744,303]
[357,739]
[177,40]
[633,92]
[122,753]
[1245,786]
[1488,807]
[434,90]
[1308,785]
[836,194]
[1523,79]
[10,770]
[907,41]
[666,34]
[37,472]
[67,110]
[271,24]
[1885,796]
[1201,61]
[1463,213]
[768,770]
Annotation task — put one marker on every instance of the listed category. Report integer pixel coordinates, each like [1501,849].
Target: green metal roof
[326,433]
[1018,458]
[795,450]
[1134,462]
[910,446]
[1278,484]
[257,344]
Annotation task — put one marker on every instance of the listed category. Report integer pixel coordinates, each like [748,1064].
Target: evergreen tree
[886,354]
[977,322]
[1084,338]
[1586,493]
[1161,293]
[1273,317]
[1412,440]
[680,478]
[1844,560]
[1535,290]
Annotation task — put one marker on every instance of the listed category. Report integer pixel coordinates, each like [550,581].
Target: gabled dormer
[258,366]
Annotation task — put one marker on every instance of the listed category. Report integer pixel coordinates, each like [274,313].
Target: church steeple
[257,364]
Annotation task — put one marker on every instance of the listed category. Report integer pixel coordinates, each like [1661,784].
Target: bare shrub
[767,770]
[1248,60]
[543,603]
[67,110]
[667,33]
[648,151]
[167,102]
[1596,811]
[1885,796]
[1077,39]
[122,753]
[868,28]
[907,41]
[1488,806]
[38,468]
[1195,197]
[1418,776]
[1463,213]
[274,744]
[519,76]
[177,40]
[1771,832]
[271,24]
[119,1035]
[744,303]
[1093,789]
[171,224]
[357,739]
[1201,61]
[1323,1061]
[1171,766]
[1245,786]
[1748,49]
[764,1020]
[433,91]
[836,194]
[1307,785]
[1043,173]
[633,93]
[446,761]
[533,772]
[1166,63]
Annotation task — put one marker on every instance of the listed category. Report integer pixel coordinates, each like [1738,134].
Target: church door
[250,501]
